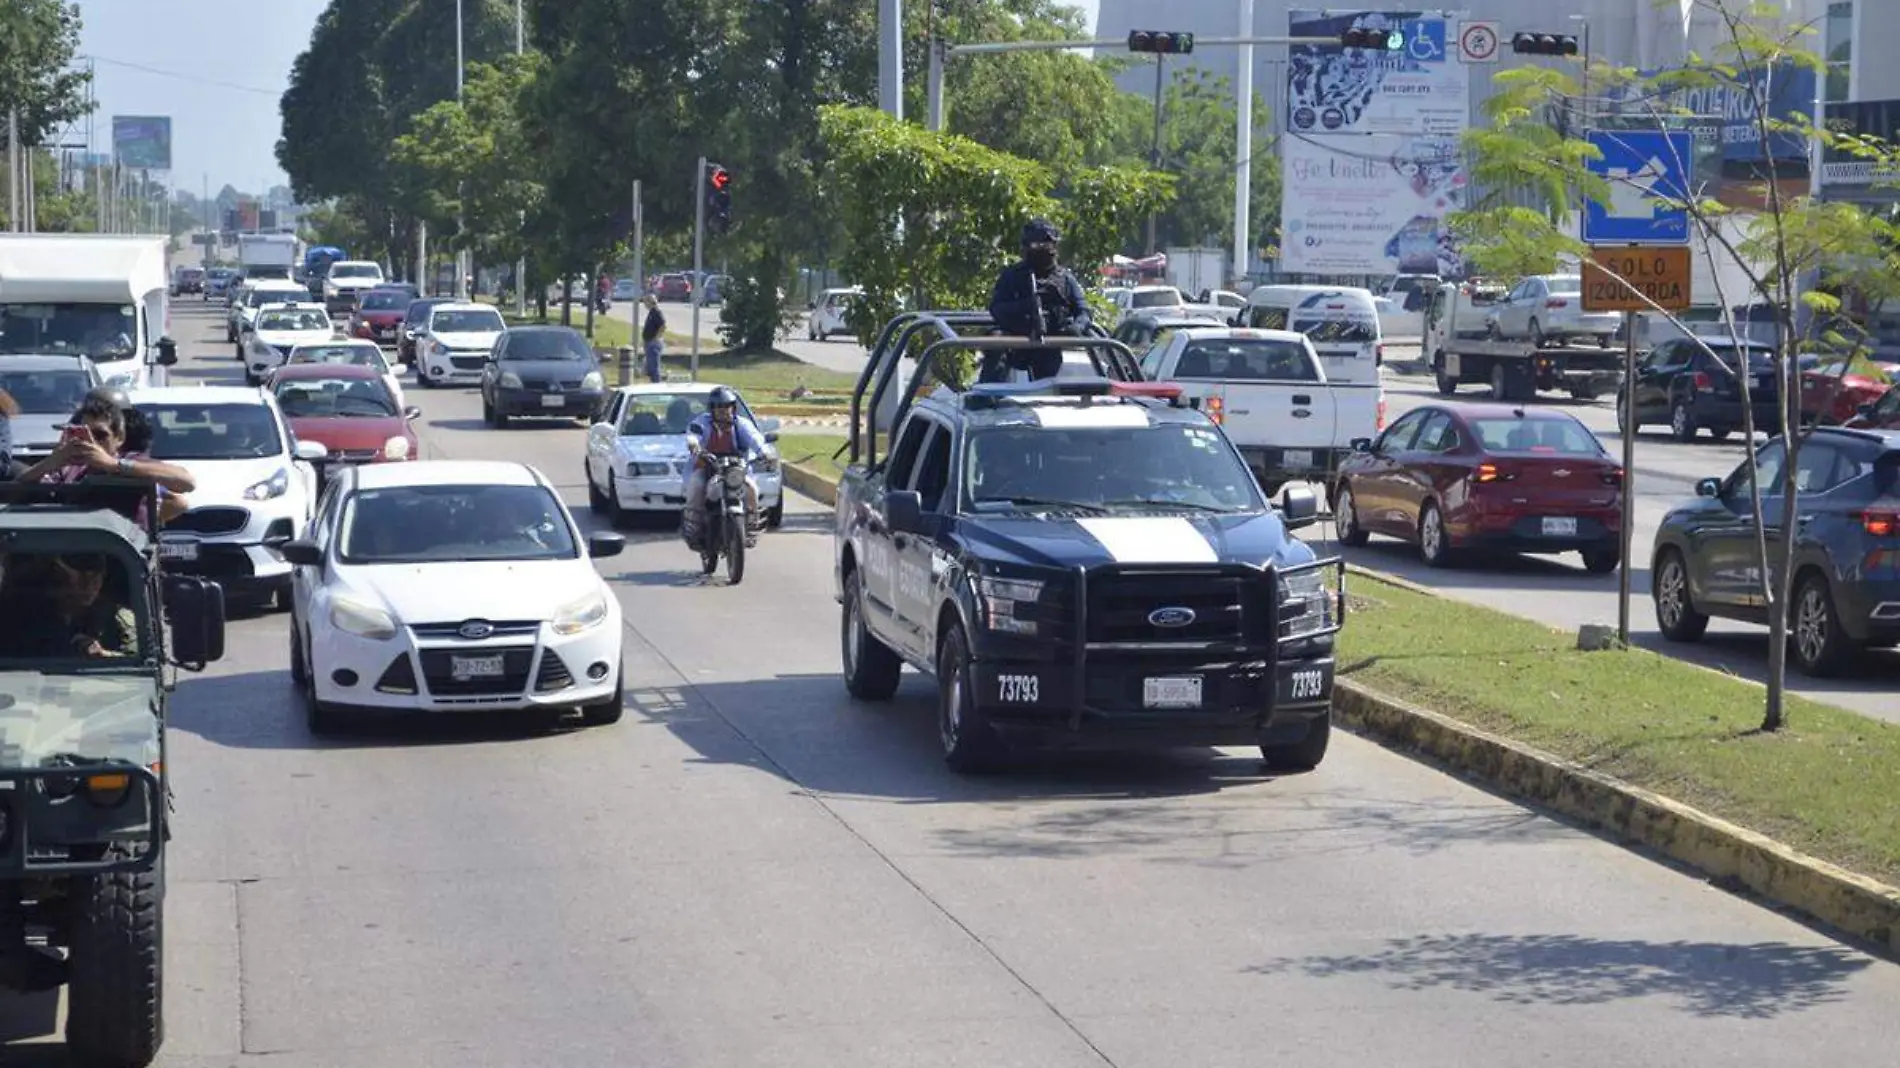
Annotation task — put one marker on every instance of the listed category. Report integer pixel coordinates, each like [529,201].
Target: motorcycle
[722,530]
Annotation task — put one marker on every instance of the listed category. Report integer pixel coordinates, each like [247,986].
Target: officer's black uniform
[1036,278]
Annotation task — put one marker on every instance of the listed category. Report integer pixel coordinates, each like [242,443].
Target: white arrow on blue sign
[1646,169]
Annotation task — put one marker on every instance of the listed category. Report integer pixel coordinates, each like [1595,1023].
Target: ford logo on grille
[476,629]
[1171,617]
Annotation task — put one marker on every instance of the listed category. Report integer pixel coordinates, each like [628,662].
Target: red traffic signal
[719,179]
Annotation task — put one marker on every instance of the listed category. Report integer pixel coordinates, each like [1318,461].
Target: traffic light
[1160,42]
[1377,40]
[718,198]
[1544,44]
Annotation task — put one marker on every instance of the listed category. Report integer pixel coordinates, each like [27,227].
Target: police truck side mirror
[195,607]
[167,352]
[904,511]
[1709,487]
[1299,507]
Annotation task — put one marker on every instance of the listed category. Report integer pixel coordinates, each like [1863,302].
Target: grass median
[814,452]
[1825,784]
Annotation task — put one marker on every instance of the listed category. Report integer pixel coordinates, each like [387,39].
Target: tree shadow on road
[1709,979]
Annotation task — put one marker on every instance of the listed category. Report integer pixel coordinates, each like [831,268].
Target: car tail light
[1613,477]
[1215,410]
[1490,473]
[1378,354]
[1703,383]
[1880,524]
[1379,423]
[1555,302]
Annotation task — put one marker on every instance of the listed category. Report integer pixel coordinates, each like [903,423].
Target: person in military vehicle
[1035,284]
[54,606]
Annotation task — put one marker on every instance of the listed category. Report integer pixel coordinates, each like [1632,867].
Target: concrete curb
[1731,855]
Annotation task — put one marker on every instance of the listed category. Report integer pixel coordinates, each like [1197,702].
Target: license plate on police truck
[1560,527]
[1183,692]
[552,400]
[1299,459]
[182,551]
[475,667]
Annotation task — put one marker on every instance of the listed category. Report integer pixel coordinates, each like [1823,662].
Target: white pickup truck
[1271,394]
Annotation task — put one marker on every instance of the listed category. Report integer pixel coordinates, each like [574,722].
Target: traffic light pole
[1154,154]
[935,88]
[699,257]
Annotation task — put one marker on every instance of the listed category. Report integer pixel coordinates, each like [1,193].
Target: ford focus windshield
[436,524]
[1170,467]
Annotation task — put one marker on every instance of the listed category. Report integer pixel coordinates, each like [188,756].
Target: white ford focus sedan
[443,586]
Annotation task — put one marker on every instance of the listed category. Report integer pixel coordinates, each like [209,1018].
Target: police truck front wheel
[115,1011]
[970,744]
[1305,754]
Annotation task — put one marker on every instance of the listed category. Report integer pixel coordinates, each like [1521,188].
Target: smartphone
[75,434]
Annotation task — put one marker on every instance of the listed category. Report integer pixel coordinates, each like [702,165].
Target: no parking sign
[1478,42]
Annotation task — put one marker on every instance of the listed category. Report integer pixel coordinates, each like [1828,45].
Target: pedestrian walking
[653,336]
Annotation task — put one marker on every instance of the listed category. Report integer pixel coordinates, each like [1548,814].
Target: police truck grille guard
[1257,598]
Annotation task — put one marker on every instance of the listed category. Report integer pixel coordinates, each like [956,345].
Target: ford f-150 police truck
[1082,562]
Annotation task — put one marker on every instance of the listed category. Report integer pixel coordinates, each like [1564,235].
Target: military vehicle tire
[115,993]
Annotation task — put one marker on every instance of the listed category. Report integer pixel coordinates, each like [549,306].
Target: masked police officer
[1036,283]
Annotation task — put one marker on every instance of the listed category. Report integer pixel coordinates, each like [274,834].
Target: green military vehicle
[91,637]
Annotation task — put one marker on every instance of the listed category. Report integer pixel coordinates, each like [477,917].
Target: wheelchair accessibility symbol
[1425,40]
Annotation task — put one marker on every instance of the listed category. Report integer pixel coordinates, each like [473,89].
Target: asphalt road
[751,870]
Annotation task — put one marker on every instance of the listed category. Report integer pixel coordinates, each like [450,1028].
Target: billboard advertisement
[1732,157]
[143,142]
[1372,162]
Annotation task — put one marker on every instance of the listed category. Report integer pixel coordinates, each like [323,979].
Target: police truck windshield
[1166,467]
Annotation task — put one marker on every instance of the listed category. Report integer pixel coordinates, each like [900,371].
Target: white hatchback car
[637,459]
[279,330]
[828,313]
[448,586]
[452,346]
[256,484]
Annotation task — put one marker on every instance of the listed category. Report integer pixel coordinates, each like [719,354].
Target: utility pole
[1243,150]
[1155,156]
[933,86]
[521,262]
[461,268]
[890,57]
[639,252]
[13,169]
[699,257]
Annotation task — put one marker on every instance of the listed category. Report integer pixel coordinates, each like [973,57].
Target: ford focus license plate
[475,667]
[1560,527]
[1182,692]
[552,400]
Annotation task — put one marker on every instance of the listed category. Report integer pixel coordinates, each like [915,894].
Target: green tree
[961,204]
[38,39]
[1198,147]
[1794,251]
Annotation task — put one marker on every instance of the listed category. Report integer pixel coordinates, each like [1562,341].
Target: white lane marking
[1151,540]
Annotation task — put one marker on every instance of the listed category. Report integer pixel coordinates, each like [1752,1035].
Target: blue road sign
[1645,168]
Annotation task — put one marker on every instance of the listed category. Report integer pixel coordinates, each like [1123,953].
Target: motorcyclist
[1035,280]
[720,431]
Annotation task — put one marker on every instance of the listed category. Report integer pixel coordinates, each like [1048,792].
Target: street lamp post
[461,255]
[521,263]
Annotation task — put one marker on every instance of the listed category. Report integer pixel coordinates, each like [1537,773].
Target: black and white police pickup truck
[1083,562]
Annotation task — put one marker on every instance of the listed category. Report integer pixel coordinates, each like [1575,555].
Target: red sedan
[379,316]
[1835,398]
[347,407]
[1459,477]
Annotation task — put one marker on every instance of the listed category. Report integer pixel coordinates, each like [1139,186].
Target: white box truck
[104,295]
[267,255]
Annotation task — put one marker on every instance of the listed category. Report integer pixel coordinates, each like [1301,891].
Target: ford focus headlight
[1306,605]
[271,488]
[510,380]
[362,620]
[1004,601]
[586,613]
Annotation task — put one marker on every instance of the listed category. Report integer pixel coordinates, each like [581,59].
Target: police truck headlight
[1306,605]
[1004,603]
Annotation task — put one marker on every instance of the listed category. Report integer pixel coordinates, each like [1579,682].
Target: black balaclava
[1039,245]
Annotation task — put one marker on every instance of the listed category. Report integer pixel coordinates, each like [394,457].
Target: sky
[217,68]
[223,64]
